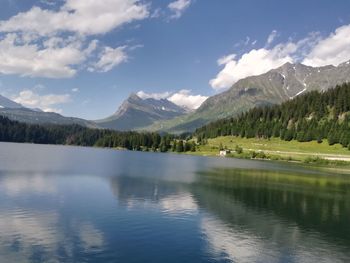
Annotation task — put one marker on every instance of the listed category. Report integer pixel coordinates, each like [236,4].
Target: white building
[224,152]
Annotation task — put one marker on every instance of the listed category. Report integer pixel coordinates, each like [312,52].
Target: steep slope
[312,116]
[273,87]
[136,113]
[7,103]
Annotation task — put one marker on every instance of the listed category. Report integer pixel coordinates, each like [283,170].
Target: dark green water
[69,204]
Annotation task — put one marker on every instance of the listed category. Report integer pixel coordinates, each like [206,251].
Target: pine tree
[180,146]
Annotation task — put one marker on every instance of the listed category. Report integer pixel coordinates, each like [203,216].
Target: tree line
[13,131]
[312,116]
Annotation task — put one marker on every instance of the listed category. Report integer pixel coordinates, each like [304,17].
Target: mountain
[136,113]
[273,87]
[17,112]
[312,116]
[7,103]
[40,117]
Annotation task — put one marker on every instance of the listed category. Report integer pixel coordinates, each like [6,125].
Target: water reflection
[167,197]
[35,236]
[275,217]
[33,224]
[88,205]
[22,184]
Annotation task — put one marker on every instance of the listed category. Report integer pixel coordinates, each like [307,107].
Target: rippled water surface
[70,204]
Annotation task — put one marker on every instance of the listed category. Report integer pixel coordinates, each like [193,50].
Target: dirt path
[335,157]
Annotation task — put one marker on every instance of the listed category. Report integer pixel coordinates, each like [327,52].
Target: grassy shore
[276,149]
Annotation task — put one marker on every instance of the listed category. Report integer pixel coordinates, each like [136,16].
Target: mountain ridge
[273,87]
[17,112]
[136,113]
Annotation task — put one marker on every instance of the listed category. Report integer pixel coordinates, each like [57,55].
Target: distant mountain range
[273,87]
[17,112]
[135,113]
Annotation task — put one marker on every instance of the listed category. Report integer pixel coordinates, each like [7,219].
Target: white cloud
[255,62]
[271,37]
[259,61]
[243,43]
[48,2]
[182,98]
[75,90]
[247,40]
[185,99]
[226,59]
[109,58]
[178,7]
[156,13]
[313,50]
[55,43]
[85,17]
[33,61]
[31,99]
[158,96]
[331,50]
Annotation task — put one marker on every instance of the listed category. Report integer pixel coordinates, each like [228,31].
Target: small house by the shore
[223,153]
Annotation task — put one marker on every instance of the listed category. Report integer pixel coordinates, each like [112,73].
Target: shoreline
[316,163]
[275,149]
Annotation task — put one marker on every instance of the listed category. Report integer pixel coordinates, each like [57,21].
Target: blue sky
[83,58]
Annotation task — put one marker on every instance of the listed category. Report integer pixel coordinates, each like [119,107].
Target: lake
[74,204]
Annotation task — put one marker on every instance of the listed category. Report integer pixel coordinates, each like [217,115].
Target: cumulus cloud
[331,50]
[255,62]
[34,61]
[109,58]
[259,61]
[78,16]
[31,99]
[157,96]
[183,98]
[178,7]
[55,43]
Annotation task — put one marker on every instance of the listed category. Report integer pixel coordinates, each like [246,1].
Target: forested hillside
[13,131]
[312,116]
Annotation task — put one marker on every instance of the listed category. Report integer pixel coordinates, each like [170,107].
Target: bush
[316,160]
[253,154]
[238,149]
[261,155]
